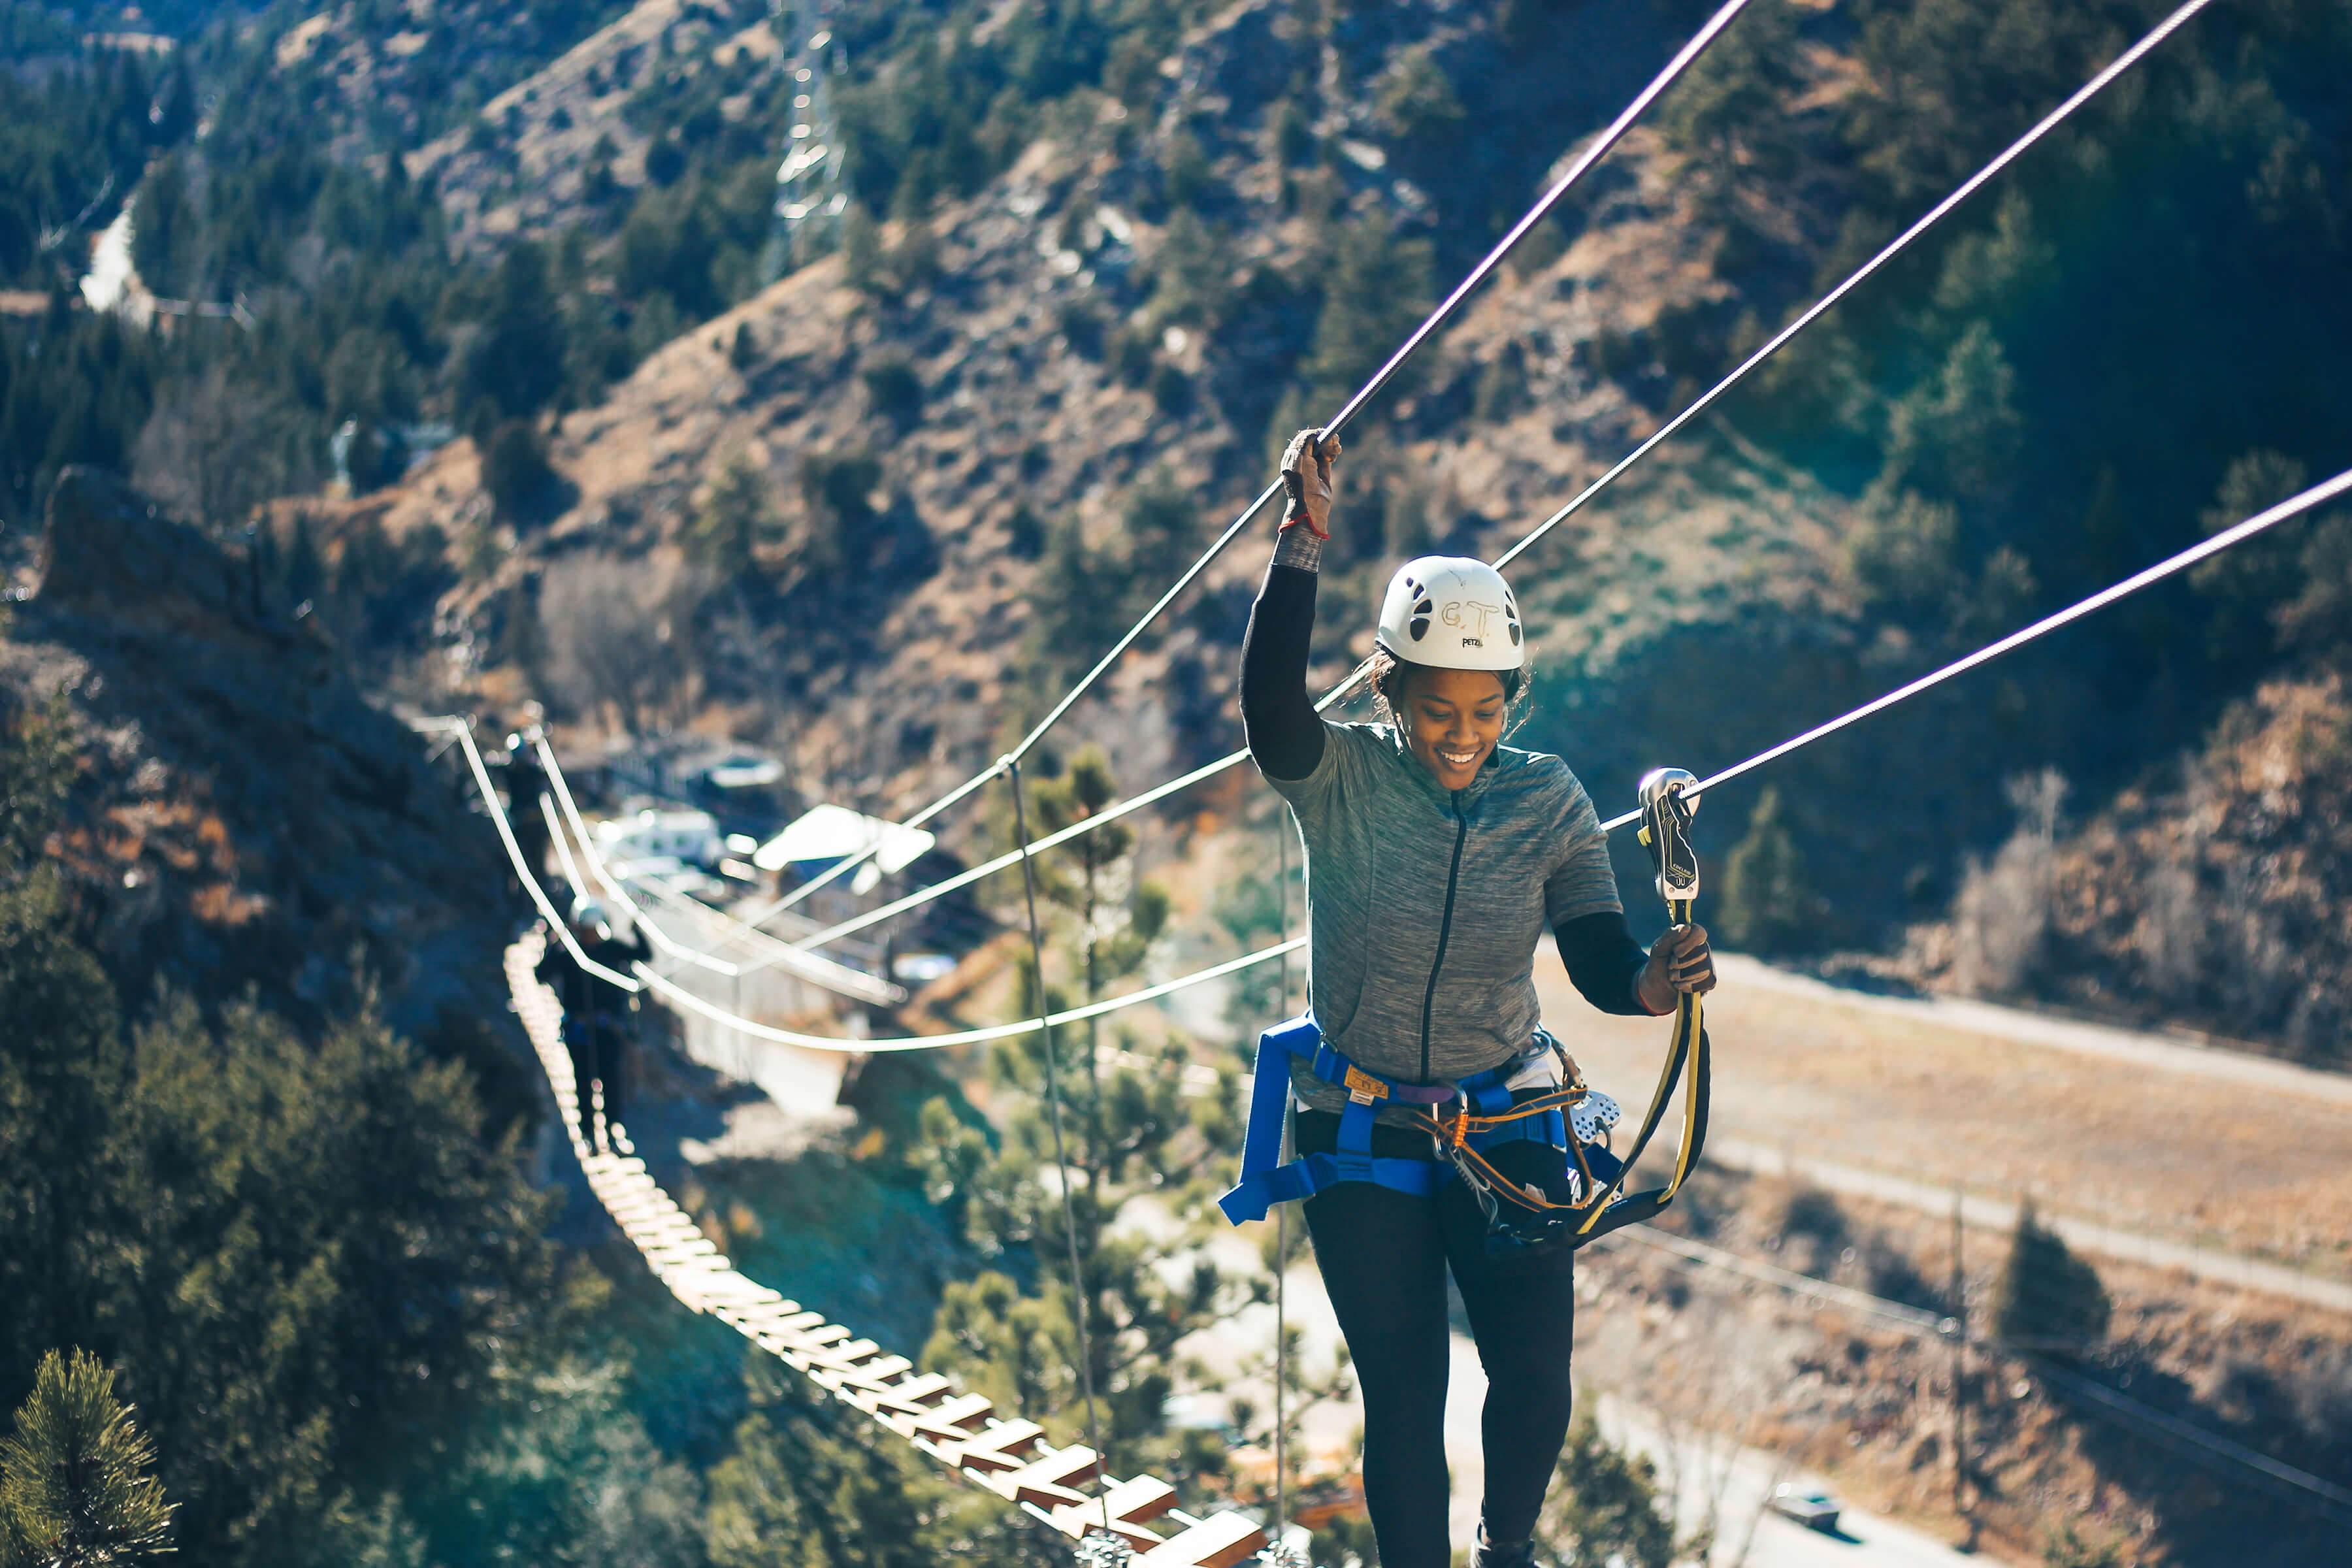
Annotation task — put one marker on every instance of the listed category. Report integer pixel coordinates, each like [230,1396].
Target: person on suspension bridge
[598,1016]
[1435,858]
[526,786]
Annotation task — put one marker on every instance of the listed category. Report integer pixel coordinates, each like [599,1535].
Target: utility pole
[1959,1331]
[809,199]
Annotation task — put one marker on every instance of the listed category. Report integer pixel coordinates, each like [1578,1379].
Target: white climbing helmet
[1452,613]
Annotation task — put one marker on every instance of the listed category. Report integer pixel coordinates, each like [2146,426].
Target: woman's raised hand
[1680,962]
[1306,476]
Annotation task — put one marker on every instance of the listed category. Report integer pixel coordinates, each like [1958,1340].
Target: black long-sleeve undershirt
[1286,738]
[1286,734]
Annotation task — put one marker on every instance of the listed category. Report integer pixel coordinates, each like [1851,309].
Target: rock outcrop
[243,817]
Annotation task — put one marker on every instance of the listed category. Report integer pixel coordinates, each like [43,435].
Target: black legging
[596,1046]
[1383,1256]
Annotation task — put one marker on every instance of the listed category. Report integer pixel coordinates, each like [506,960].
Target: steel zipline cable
[2041,128]
[1081,1300]
[1780,339]
[1969,187]
[1583,164]
[2172,566]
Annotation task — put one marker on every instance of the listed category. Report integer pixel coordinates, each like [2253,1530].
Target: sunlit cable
[2293,506]
[1594,153]
[1780,339]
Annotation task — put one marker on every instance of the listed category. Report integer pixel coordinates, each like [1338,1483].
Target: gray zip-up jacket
[1425,905]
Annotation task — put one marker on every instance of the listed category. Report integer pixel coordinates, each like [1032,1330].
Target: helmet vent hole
[1418,628]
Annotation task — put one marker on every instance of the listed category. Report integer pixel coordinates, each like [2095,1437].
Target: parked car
[1813,1509]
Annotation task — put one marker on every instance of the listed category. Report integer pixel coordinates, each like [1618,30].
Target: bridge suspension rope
[1069,1488]
[2010,155]
[1010,1457]
[646,979]
[1582,165]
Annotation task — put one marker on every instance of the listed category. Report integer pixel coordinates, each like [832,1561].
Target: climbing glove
[1306,478]
[1680,962]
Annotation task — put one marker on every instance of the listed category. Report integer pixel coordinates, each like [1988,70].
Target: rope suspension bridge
[1003,1451]
[964,1432]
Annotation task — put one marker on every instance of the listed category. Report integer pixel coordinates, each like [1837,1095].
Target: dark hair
[1388,673]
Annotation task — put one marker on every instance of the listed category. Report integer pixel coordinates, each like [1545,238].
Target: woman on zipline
[1435,858]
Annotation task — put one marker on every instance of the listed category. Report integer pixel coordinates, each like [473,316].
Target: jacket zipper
[1444,929]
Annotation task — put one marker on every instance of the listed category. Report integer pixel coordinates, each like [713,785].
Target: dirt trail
[2133,1134]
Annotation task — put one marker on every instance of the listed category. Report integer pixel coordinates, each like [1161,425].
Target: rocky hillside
[243,817]
[1100,255]
[2211,897]
[401,73]
[1002,427]
[547,152]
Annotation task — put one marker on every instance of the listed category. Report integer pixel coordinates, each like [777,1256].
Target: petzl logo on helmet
[1469,617]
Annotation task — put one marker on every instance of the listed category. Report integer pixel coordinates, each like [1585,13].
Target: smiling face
[1452,719]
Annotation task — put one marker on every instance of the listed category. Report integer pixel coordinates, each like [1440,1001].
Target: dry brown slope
[242,815]
[1015,416]
[2187,1157]
[530,179]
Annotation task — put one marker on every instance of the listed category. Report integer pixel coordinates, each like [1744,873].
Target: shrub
[1024,535]
[1766,906]
[729,526]
[2045,1293]
[894,391]
[1607,1508]
[836,488]
[515,468]
[2001,918]
[1171,390]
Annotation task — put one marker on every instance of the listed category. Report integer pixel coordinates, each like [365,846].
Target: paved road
[2001,1214]
[2218,1062]
[1731,1482]
[2235,1168]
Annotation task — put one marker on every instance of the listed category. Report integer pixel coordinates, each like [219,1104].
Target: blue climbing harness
[1482,1097]
[1569,1204]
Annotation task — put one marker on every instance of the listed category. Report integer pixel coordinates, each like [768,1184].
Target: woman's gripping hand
[1307,479]
[1680,963]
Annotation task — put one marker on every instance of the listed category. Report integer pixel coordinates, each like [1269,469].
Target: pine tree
[735,516]
[861,252]
[63,1068]
[1376,288]
[1766,906]
[809,1482]
[1128,1127]
[76,1487]
[1607,1507]
[2046,1297]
